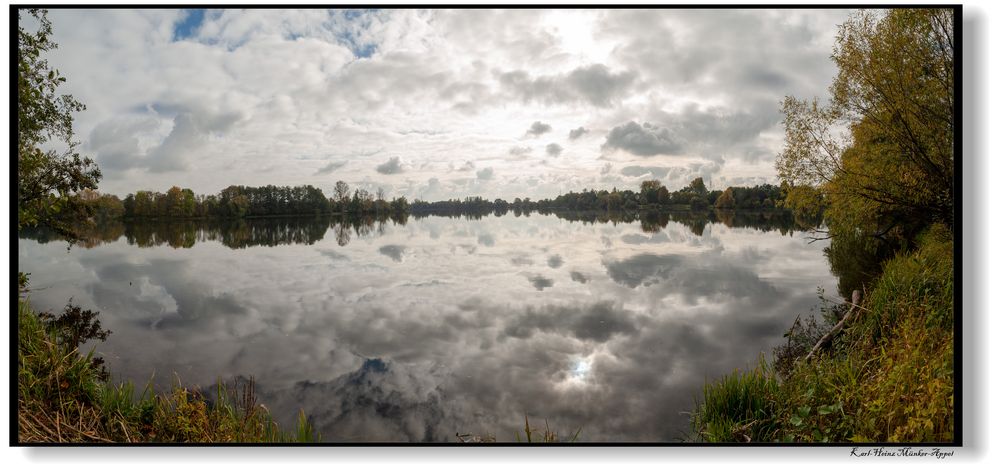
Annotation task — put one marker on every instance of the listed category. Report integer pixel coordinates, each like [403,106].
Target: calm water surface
[419,330]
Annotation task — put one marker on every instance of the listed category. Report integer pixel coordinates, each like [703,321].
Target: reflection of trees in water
[308,230]
[653,221]
[343,233]
[90,235]
[857,259]
[231,233]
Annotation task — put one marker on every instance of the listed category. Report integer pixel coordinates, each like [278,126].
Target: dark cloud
[553,149]
[394,252]
[594,84]
[712,133]
[599,85]
[378,402]
[335,256]
[639,239]
[577,133]
[392,166]
[332,166]
[540,282]
[485,174]
[195,302]
[522,261]
[704,276]
[115,142]
[537,128]
[555,261]
[578,277]
[706,170]
[714,48]
[519,151]
[644,140]
[636,171]
[638,269]
[598,322]
[486,240]
[717,131]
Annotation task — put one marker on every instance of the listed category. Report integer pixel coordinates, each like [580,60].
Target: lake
[417,329]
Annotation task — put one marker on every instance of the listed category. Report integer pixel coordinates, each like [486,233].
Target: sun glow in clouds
[580,370]
[281,95]
[575,31]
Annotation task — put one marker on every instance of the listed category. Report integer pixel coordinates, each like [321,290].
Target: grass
[888,378]
[62,398]
[738,407]
[531,435]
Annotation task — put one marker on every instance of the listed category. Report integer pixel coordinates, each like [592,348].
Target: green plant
[738,407]
[62,397]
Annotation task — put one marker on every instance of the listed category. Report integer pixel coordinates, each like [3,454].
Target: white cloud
[249,92]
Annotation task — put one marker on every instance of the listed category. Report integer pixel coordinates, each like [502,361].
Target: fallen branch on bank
[855,299]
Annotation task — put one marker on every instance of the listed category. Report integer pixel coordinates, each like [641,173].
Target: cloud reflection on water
[451,342]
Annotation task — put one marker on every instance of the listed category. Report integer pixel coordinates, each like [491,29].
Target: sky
[438,104]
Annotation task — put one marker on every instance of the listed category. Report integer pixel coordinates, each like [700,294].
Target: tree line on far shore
[238,201]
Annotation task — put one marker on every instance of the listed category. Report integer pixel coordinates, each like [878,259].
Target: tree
[189,205]
[662,196]
[725,201]
[342,193]
[881,152]
[648,190]
[175,202]
[380,202]
[698,187]
[46,179]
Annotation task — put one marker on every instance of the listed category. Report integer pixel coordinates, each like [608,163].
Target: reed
[738,407]
[62,398]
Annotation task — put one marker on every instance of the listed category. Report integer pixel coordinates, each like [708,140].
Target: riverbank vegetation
[887,196]
[64,395]
[889,377]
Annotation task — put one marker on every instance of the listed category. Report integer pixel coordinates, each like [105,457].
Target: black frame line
[958,262]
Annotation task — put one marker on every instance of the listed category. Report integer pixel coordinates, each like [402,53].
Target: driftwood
[855,299]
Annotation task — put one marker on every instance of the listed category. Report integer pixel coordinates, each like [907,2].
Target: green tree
[144,203]
[881,152]
[698,187]
[175,202]
[662,196]
[46,178]
[188,202]
[648,190]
